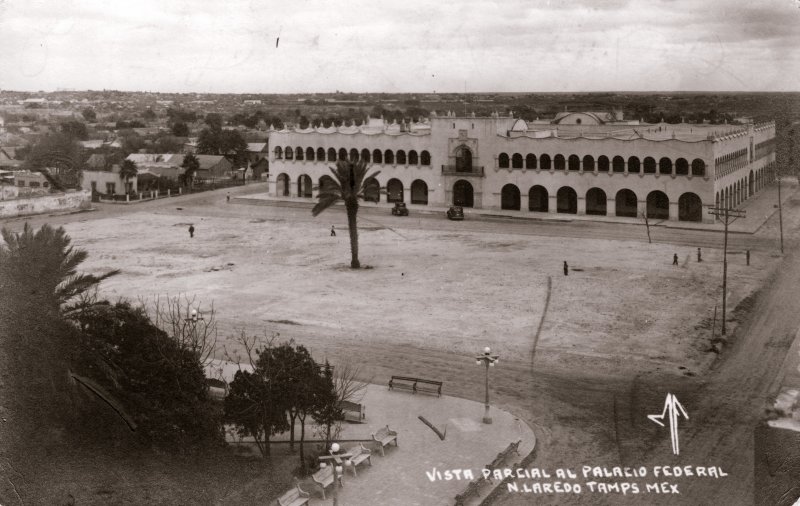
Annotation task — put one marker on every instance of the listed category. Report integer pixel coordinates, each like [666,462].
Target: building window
[111,188]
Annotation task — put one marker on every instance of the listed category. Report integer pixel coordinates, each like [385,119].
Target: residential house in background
[108,182]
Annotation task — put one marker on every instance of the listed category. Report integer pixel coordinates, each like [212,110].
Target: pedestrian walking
[191,231]
[699,256]
[333,231]
[228,197]
[675,259]
[566,268]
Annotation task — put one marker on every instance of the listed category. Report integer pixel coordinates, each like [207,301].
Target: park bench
[503,455]
[353,412]
[358,455]
[416,385]
[385,436]
[294,497]
[473,488]
[324,478]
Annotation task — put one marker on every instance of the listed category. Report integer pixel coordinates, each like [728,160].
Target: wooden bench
[353,412]
[385,436]
[473,488]
[358,455]
[324,478]
[416,385]
[294,497]
[503,455]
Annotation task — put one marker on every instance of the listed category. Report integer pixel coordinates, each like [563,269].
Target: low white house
[108,182]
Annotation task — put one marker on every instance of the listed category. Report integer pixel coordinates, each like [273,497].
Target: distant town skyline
[249,46]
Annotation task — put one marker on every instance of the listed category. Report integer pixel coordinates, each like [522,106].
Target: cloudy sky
[400,46]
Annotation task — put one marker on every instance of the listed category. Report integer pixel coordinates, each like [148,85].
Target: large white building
[580,163]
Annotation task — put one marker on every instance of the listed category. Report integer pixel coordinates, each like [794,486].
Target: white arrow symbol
[671,404]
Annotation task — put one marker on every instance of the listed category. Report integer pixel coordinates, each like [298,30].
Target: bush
[161,384]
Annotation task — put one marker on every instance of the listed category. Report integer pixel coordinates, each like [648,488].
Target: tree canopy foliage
[229,143]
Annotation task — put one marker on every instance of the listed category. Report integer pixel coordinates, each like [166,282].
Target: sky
[414,46]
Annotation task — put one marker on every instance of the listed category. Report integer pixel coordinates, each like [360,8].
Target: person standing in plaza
[333,231]
[191,231]
[675,259]
[566,268]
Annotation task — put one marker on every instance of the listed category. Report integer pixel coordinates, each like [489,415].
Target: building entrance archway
[463,194]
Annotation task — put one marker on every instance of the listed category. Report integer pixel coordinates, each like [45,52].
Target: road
[198,204]
[581,416]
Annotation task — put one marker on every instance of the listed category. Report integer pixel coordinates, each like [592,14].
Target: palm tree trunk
[352,213]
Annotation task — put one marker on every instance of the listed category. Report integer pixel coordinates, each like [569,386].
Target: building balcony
[450,170]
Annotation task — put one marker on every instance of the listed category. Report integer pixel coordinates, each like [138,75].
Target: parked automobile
[455,213]
[400,209]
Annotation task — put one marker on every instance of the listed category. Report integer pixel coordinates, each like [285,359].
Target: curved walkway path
[400,477]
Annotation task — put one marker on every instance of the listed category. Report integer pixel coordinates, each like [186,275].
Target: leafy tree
[159,382]
[256,407]
[57,156]
[131,141]
[149,114]
[75,129]
[181,115]
[294,373]
[167,144]
[214,120]
[190,165]
[89,115]
[135,123]
[127,170]
[180,129]
[228,143]
[350,184]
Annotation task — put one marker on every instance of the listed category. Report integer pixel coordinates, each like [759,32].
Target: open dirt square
[451,291]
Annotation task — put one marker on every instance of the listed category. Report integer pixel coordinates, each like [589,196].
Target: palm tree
[128,170]
[350,183]
[44,263]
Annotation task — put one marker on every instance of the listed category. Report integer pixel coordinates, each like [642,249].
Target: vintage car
[455,213]
[400,209]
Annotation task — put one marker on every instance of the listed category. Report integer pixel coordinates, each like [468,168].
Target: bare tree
[347,383]
[181,317]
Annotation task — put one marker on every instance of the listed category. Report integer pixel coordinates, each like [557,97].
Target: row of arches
[633,165]
[389,157]
[739,191]
[690,207]
[625,202]
[394,188]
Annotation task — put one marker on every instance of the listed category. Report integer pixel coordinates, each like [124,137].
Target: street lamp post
[488,360]
[337,459]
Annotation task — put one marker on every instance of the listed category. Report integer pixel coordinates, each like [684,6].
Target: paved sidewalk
[400,477]
[759,209]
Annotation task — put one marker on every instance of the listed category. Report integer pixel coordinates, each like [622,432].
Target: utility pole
[727,215]
[780,207]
